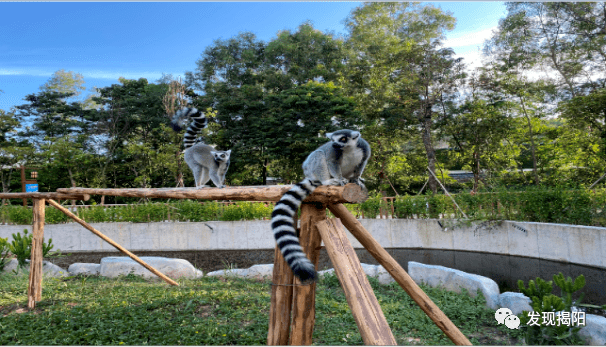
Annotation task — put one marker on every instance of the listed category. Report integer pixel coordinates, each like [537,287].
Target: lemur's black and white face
[344,138]
[221,155]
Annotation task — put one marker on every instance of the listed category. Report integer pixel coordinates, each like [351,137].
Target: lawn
[216,311]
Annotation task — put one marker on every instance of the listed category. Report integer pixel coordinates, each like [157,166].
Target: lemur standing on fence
[340,161]
[204,161]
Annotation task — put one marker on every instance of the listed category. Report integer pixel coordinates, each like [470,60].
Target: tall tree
[65,82]
[51,116]
[566,38]
[398,68]
[262,92]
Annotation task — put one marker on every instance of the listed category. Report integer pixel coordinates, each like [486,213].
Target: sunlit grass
[212,311]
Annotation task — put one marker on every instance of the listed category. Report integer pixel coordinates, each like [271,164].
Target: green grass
[214,311]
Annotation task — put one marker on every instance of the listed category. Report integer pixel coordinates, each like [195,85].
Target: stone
[261,271]
[12,265]
[52,270]
[172,268]
[325,272]
[228,273]
[383,276]
[48,268]
[84,269]
[516,302]
[594,331]
[369,270]
[455,280]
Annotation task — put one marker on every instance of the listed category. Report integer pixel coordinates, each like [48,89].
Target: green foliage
[4,253]
[21,247]
[211,311]
[578,207]
[544,301]
[246,211]
[372,206]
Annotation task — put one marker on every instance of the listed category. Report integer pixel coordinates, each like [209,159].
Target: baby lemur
[204,161]
[338,162]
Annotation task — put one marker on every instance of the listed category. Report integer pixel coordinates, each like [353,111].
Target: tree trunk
[431,153]
[532,145]
[264,173]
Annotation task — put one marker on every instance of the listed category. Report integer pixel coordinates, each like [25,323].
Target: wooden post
[34,289]
[398,273]
[360,296]
[281,302]
[304,296]
[111,242]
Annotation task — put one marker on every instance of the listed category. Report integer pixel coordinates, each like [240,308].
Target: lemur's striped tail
[199,122]
[285,232]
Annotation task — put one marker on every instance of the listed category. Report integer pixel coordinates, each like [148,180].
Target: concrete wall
[556,242]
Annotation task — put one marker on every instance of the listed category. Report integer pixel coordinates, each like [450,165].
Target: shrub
[544,301]
[4,253]
[21,247]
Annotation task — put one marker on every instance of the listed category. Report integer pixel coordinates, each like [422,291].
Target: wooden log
[361,299]
[281,302]
[34,289]
[304,296]
[42,195]
[351,193]
[398,273]
[111,242]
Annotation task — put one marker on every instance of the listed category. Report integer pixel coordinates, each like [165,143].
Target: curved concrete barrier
[575,244]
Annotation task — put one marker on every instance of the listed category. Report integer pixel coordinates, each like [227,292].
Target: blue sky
[107,40]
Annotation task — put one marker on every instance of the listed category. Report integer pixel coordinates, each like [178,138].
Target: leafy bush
[544,301]
[371,208]
[4,253]
[21,247]
[581,207]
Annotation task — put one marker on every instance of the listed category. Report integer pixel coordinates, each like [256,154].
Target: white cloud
[99,74]
[475,38]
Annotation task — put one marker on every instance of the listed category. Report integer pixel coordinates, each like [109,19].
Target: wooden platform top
[350,193]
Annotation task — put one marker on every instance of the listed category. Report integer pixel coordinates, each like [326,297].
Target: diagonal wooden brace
[360,296]
[399,274]
[112,242]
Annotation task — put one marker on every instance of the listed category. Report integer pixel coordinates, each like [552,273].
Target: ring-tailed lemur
[204,161]
[340,161]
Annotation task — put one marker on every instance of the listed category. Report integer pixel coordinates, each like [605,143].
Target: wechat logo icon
[505,316]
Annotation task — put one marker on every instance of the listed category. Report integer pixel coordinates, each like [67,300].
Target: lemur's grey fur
[204,161]
[340,161]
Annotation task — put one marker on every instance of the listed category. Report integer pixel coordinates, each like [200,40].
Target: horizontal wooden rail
[350,193]
[49,195]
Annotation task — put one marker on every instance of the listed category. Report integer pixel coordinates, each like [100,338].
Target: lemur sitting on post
[338,162]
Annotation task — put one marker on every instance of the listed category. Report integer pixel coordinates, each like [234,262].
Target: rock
[369,270]
[594,331]
[383,276]
[173,268]
[48,268]
[199,274]
[259,272]
[52,270]
[12,265]
[84,269]
[324,272]
[229,273]
[454,280]
[516,302]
